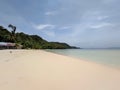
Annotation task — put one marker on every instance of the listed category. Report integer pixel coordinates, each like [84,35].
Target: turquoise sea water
[109,57]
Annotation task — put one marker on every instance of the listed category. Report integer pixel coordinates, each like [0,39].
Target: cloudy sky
[84,23]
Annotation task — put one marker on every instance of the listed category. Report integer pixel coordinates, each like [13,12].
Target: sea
[109,57]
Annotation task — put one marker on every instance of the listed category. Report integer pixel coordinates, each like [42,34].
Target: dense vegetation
[29,41]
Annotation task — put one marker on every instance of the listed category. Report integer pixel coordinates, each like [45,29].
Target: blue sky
[83,23]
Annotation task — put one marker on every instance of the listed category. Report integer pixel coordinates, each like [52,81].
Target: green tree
[12,32]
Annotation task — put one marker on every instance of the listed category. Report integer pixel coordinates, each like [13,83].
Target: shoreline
[41,70]
[87,60]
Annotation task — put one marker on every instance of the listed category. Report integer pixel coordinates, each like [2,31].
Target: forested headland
[29,41]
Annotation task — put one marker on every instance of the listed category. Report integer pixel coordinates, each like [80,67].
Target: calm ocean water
[109,57]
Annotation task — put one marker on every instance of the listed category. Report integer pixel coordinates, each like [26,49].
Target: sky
[82,23]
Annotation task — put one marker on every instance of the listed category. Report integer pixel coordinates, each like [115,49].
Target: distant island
[29,41]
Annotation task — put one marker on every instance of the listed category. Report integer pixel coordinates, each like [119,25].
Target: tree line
[29,41]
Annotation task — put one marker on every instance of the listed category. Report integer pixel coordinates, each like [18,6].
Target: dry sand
[40,70]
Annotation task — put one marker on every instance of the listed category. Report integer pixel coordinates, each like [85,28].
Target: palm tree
[12,32]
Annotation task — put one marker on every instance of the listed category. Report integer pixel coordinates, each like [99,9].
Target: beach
[41,70]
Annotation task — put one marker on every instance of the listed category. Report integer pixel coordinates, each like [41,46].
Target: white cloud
[65,27]
[102,17]
[50,33]
[44,26]
[46,29]
[100,25]
[50,13]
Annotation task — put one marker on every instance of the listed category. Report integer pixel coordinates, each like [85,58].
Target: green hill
[30,41]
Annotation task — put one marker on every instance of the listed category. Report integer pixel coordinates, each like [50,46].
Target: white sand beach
[40,70]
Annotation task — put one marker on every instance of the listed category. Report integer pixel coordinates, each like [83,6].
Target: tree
[12,32]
